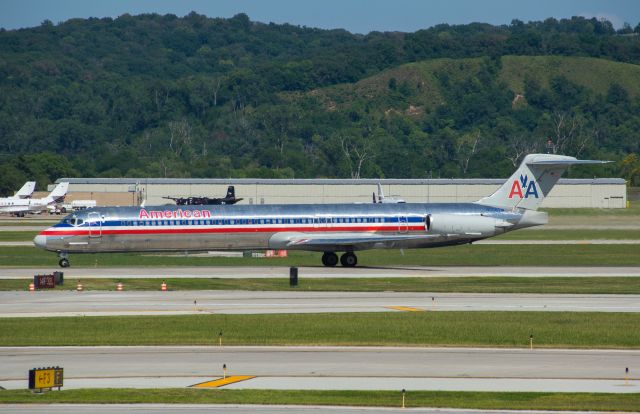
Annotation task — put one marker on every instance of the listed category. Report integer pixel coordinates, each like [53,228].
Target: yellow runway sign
[40,378]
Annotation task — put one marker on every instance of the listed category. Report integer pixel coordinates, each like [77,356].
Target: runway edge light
[626,376]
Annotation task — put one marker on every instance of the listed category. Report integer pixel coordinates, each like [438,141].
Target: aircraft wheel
[349,259]
[329,259]
[64,263]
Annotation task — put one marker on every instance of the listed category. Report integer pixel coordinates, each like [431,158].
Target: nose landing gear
[64,259]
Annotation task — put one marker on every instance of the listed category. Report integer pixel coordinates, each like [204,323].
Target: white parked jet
[21,206]
[24,192]
[382,199]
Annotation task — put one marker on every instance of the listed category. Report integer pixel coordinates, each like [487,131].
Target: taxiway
[352,368]
[109,303]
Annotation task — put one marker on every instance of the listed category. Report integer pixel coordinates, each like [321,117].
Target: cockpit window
[74,221]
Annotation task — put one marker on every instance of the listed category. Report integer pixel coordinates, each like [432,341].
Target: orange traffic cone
[79,287]
[32,287]
[163,286]
[119,287]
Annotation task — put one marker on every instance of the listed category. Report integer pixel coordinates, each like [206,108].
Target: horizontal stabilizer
[567,162]
[532,181]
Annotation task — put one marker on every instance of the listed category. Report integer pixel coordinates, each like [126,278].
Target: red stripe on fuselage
[108,231]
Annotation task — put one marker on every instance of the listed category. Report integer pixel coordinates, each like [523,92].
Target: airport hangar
[569,193]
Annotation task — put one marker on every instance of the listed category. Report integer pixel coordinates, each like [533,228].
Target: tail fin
[58,193]
[26,190]
[532,181]
[380,194]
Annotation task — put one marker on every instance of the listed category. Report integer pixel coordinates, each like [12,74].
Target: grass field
[28,222]
[6,236]
[570,234]
[556,285]
[604,213]
[495,329]
[450,399]
[465,255]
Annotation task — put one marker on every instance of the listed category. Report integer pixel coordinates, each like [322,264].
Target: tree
[467,146]
[630,169]
[355,154]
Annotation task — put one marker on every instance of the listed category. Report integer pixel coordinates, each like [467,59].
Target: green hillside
[595,75]
[474,117]
[168,96]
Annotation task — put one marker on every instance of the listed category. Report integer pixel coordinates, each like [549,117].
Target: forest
[165,96]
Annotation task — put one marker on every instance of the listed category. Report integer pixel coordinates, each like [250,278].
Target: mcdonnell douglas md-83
[327,228]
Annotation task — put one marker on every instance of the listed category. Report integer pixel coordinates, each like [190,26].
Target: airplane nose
[40,241]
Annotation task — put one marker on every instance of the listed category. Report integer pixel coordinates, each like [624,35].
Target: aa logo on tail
[529,188]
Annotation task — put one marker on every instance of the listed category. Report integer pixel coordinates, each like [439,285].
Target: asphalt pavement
[350,368]
[109,303]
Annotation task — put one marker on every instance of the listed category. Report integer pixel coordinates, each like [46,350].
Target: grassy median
[448,399]
[465,255]
[491,329]
[497,284]
[571,234]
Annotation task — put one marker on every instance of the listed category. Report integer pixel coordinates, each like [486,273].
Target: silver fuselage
[254,227]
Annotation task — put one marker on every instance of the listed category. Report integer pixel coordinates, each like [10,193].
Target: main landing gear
[64,259]
[348,259]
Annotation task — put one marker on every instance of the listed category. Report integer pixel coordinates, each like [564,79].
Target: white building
[568,193]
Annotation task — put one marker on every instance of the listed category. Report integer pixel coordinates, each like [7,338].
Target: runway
[272,271]
[243,409]
[107,303]
[349,368]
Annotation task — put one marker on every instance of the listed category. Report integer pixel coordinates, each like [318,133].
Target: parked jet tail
[58,193]
[26,190]
[532,181]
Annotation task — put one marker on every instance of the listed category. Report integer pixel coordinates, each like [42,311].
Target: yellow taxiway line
[221,382]
[405,308]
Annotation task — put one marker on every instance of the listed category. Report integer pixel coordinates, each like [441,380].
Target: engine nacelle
[461,224]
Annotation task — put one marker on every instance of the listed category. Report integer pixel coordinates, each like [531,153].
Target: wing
[338,241]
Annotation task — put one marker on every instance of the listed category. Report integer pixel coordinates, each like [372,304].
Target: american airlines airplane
[21,206]
[327,228]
